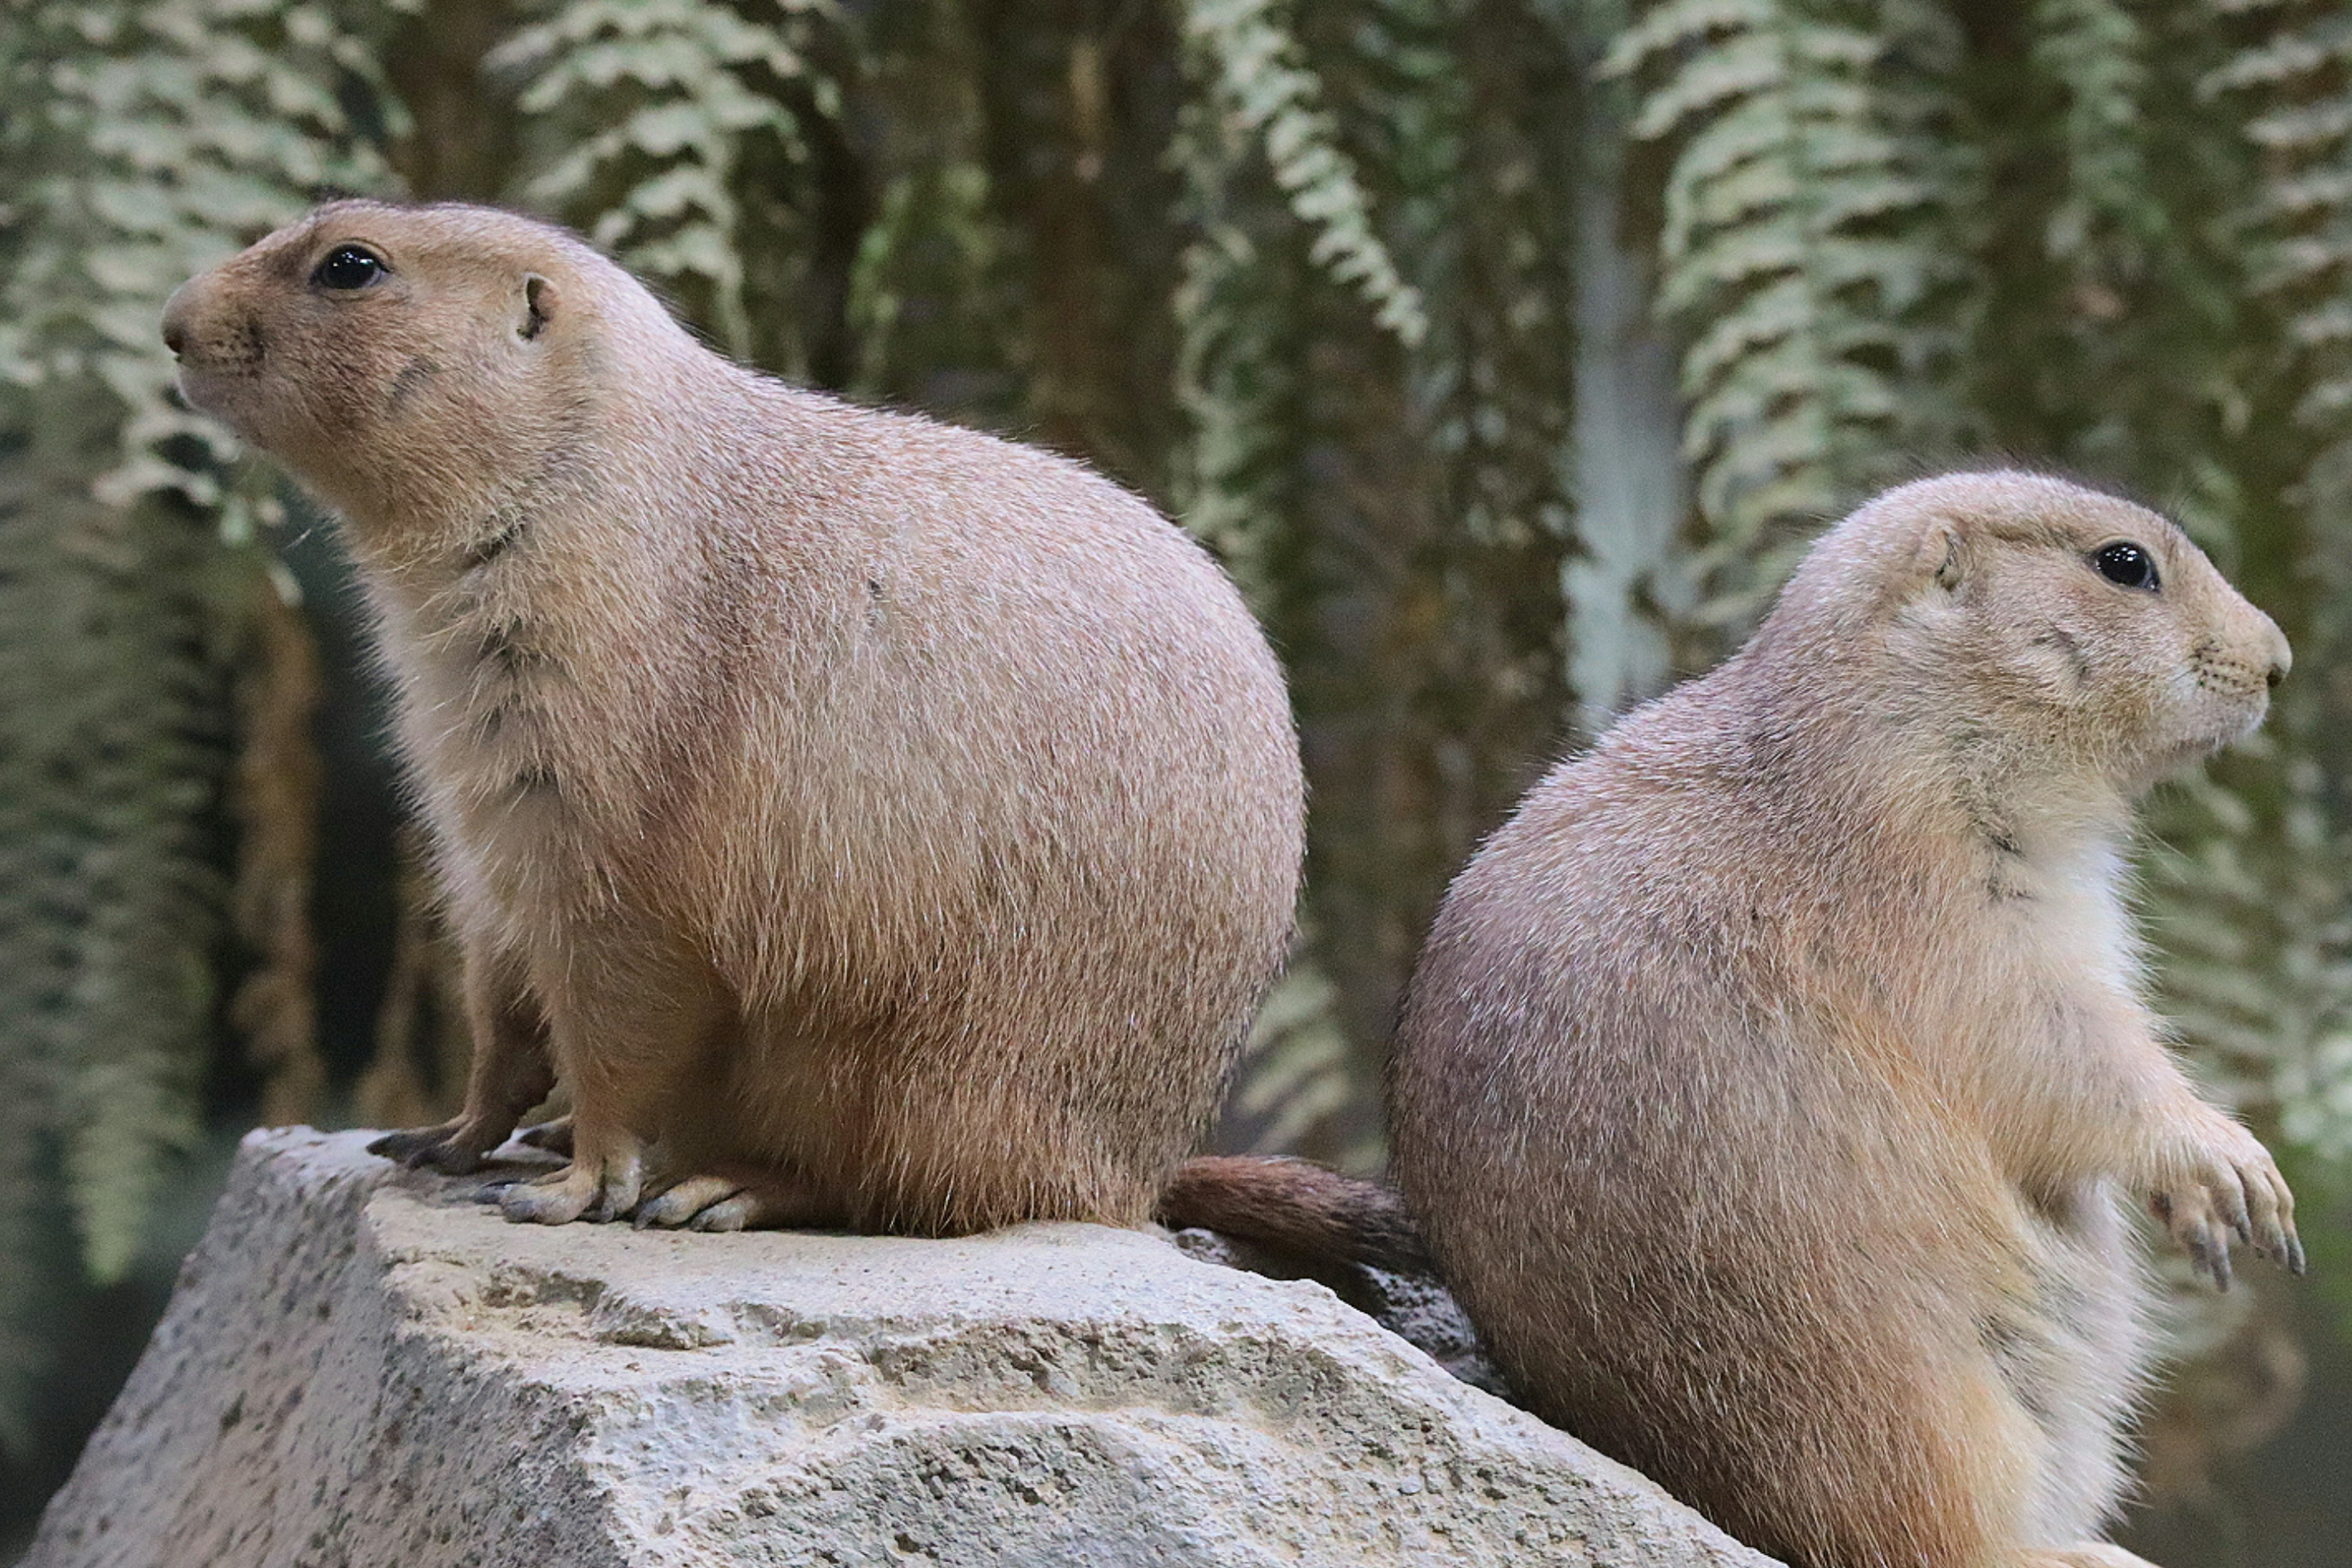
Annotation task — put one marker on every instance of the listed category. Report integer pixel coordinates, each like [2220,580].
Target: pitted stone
[362,1368]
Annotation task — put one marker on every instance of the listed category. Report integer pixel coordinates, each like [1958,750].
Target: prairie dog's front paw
[455,1147]
[2213,1178]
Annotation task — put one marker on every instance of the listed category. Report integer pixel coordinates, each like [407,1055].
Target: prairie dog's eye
[349,267]
[2125,564]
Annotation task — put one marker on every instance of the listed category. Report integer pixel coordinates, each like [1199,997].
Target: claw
[602,1190]
[618,1193]
[405,1144]
[2231,1190]
[555,1136]
[449,1159]
[455,1148]
[729,1214]
[2214,1254]
[2220,1184]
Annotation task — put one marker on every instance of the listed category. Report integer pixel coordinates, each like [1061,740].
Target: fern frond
[930,304]
[1807,254]
[1298,1080]
[2096,51]
[172,132]
[2286,91]
[151,140]
[1238,361]
[1256,76]
[659,119]
[36,955]
[2294,81]
[2246,895]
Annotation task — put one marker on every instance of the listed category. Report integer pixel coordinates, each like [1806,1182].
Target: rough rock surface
[1416,1308]
[362,1368]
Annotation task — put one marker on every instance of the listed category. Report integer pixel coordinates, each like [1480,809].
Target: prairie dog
[873,822]
[1770,1083]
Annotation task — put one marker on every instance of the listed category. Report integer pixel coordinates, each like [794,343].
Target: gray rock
[1416,1308]
[363,1368]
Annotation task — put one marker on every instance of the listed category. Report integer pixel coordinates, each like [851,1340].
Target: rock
[361,1367]
[1416,1308]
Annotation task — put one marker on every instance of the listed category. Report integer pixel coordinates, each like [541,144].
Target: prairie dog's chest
[480,660]
[499,715]
[2058,1008]
[2071,923]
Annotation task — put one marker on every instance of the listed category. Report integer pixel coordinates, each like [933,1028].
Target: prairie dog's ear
[1946,554]
[538,306]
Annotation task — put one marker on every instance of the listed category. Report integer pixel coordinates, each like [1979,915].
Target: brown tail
[1297,1206]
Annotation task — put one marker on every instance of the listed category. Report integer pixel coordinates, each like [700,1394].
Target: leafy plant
[682,140]
[145,142]
[1812,255]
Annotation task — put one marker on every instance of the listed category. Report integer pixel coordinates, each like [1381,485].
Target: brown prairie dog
[1770,1083]
[871,822]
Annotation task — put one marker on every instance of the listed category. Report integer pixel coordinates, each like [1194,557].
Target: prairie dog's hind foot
[737,1198]
[456,1147]
[593,1188]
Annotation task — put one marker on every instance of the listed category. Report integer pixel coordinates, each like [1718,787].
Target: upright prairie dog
[1770,1081]
[871,822]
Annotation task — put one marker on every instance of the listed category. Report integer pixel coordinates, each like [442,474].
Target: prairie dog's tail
[1297,1206]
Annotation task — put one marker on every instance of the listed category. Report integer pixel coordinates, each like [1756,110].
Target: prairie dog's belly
[2076,1354]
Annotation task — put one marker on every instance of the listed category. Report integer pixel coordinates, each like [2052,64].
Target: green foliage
[1256,78]
[2294,75]
[2259,952]
[1397,500]
[149,140]
[2096,51]
[1813,253]
[678,133]
[34,948]
[931,302]
[2258,944]
[1298,1080]
[145,142]
[1239,366]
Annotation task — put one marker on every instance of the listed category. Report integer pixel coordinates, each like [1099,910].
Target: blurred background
[1505,350]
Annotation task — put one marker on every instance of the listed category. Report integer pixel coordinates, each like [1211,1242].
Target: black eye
[347,266]
[2127,565]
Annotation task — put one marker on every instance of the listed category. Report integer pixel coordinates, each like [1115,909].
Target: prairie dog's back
[977,627]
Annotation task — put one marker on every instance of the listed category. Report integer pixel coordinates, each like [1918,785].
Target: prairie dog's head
[2076,631]
[408,356]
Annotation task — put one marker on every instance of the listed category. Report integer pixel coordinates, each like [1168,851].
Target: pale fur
[1771,1082]
[872,821]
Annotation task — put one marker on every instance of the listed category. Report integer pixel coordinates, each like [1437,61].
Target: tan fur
[1770,1080]
[872,822]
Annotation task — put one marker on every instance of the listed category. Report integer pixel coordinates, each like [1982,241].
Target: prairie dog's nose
[176,311]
